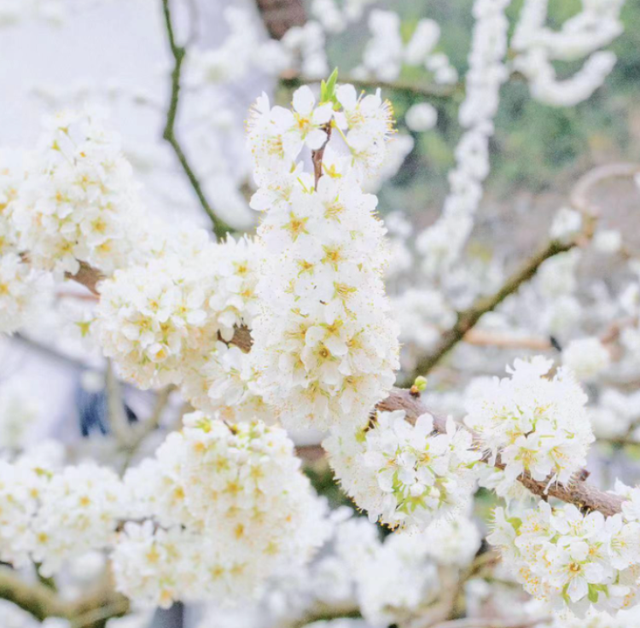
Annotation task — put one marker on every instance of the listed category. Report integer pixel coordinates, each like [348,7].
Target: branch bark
[281,15]
[220,228]
[579,492]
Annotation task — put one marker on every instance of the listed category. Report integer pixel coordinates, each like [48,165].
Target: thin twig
[579,198]
[220,228]
[139,432]
[118,422]
[479,622]
[467,319]
[430,91]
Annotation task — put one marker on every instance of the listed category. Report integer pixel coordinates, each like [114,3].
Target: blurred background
[114,54]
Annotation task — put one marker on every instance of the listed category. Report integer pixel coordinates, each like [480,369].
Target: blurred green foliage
[536,147]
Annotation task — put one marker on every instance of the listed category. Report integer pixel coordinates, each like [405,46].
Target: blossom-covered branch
[578,492]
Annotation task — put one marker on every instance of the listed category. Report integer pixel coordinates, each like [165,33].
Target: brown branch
[579,198]
[42,602]
[486,338]
[281,15]
[579,492]
[87,276]
[37,599]
[467,319]
[317,156]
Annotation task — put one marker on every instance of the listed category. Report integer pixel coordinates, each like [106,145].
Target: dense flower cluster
[567,558]
[79,202]
[442,242]
[233,509]
[23,290]
[324,345]
[222,509]
[51,515]
[163,321]
[536,424]
[402,474]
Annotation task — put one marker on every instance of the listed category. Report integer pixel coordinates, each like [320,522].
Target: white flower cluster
[50,515]
[388,581]
[149,315]
[616,415]
[79,201]
[164,321]
[243,50]
[400,577]
[402,474]
[597,619]
[23,290]
[24,293]
[583,35]
[442,242]
[386,53]
[536,424]
[586,357]
[570,559]
[324,347]
[227,507]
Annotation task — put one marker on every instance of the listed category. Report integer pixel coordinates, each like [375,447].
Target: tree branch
[579,198]
[220,228]
[578,492]
[281,15]
[467,319]
[42,602]
[293,80]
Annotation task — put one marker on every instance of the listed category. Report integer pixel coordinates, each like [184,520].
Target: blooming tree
[308,326]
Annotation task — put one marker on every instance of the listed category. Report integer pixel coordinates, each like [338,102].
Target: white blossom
[537,424]
[402,474]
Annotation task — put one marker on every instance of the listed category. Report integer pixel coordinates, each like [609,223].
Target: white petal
[303,100]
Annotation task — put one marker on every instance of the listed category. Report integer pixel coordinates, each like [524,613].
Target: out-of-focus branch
[179,52]
[118,422]
[37,599]
[281,15]
[582,191]
[580,200]
[42,602]
[138,432]
[467,319]
[479,622]
[293,80]
[505,340]
[578,492]
[324,612]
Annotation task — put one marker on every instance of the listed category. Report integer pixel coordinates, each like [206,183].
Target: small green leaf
[327,90]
